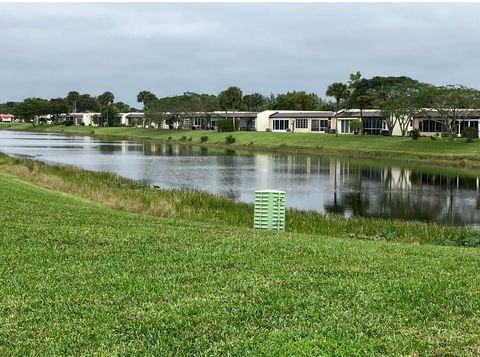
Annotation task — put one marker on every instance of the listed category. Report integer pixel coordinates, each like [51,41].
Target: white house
[6,118]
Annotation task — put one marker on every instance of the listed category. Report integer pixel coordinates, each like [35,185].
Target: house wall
[5,119]
[301,130]
[262,122]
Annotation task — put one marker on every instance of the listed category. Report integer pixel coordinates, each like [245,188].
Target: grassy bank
[133,196]
[457,153]
[79,278]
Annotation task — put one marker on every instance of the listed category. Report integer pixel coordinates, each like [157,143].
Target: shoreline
[133,196]
[289,143]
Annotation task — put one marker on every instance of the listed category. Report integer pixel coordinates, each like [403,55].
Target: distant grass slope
[458,152]
[77,278]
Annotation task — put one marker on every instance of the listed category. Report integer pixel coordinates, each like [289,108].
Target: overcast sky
[49,49]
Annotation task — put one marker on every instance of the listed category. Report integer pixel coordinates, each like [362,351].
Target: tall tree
[57,106]
[122,107]
[30,108]
[106,99]
[109,115]
[231,99]
[396,99]
[339,91]
[87,103]
[297,101]
[72,99]
[452,103]
[7,107]
[145,97]
[254,102]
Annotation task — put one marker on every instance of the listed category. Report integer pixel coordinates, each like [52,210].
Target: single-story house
[429,122]
[295,121]
[86,119]
[126,119]
[6,118]
[373,122]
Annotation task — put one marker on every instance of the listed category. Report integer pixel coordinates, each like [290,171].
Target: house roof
[355,113]
[235,114]
[7,116]
[302,114]
[432,113]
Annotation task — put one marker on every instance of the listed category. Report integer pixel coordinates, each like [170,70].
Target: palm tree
[146,98]
[231,98]
[339,91]
[105,100]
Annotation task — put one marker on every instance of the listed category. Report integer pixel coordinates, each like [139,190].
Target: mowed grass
[78,278]
[133,196]
[457,152]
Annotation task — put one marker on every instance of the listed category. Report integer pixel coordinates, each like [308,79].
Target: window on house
[372,126]
[430,126]
[280,124]
[301,123]
[324,124]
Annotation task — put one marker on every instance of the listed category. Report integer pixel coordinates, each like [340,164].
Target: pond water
[322,183]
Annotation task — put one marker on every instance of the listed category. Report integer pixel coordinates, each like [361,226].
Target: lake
[322,183]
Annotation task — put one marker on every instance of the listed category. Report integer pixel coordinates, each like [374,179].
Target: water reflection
[323,184]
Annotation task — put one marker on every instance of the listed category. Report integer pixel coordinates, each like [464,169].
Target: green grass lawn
[137,197]
[78,278]
[458,152]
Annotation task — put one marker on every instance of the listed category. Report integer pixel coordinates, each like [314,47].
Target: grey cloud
[49,49]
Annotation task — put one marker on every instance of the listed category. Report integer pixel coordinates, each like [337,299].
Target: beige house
[373,122]
[298,121]
[429,122]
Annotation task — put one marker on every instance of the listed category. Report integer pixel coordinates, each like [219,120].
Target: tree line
[231,99]
[398,98]
[30,108]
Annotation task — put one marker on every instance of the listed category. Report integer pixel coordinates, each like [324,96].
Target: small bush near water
[230,139]
[203,139]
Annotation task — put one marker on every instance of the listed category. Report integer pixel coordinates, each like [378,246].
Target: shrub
[190,139]
[169,138]
[203,139]
[433,138]
[183,138]
[415,134]
[355,125]
[225,125]
[229,139]
[471,133]
[92,132]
